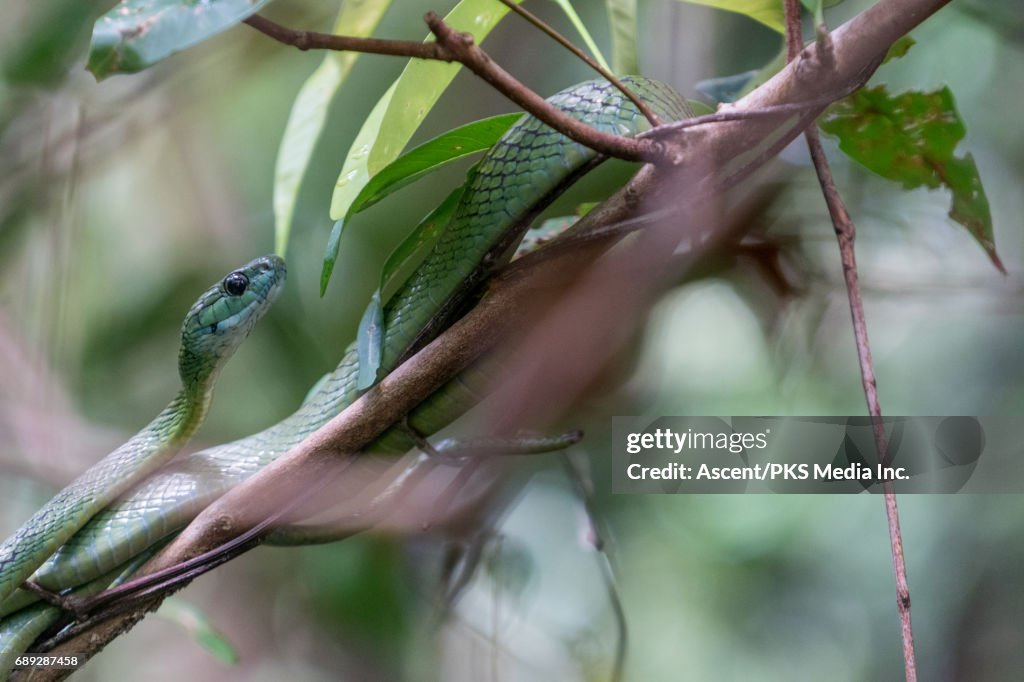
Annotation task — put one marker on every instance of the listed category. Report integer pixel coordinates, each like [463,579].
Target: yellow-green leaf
[768,12]
[422,83]
[306,121]
[429,156]
[581,28]
[354,176]
[622,21]
[404,106]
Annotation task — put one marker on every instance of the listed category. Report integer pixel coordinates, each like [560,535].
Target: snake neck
[179,420]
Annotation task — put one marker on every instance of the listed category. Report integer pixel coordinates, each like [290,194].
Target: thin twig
[568,44]
[728,115]
[859,45]
[456,46]
[846,234]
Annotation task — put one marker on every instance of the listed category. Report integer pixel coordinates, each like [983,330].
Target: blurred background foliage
[120,201]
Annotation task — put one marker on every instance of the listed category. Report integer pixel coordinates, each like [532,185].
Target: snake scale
[518,177]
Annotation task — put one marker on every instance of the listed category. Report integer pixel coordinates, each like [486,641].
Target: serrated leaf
[623,25]
[136,34]
[196,624]
[429,156]
[397,267]
[911,138]
[309,112]
[767,12]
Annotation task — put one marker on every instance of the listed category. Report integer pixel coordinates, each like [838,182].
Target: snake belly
[517,178]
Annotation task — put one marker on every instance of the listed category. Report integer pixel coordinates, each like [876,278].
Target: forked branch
[456,46]
[714,157]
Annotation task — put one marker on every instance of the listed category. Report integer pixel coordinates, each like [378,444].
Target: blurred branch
[713,159]
[455,46]
[846,235]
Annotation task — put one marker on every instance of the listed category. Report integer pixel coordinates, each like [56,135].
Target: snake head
[224,315]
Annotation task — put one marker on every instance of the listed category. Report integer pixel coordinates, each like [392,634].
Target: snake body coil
[518,177]
[213,328]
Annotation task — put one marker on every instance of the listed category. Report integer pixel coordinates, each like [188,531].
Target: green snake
[530,166]
[213,329]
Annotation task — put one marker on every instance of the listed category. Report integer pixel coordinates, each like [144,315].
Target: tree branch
[713,159]
[536,21]
[846,235]
[455,46]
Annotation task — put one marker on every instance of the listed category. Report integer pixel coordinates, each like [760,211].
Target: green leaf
[49,39]
[406,256]
[818,12]
[354,176]
[422,83]
[911,138]
[581,28]
[551,228]
[370,342]
[899,48]
[698,108]
[403,107]
[545,232]
[398,266]
[136,34]
[768,12]
[195,622]
[429,156]
[814,5]
[455,144]
[309,111]
[622,21]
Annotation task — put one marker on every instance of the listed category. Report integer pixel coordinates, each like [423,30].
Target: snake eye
[236,283]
